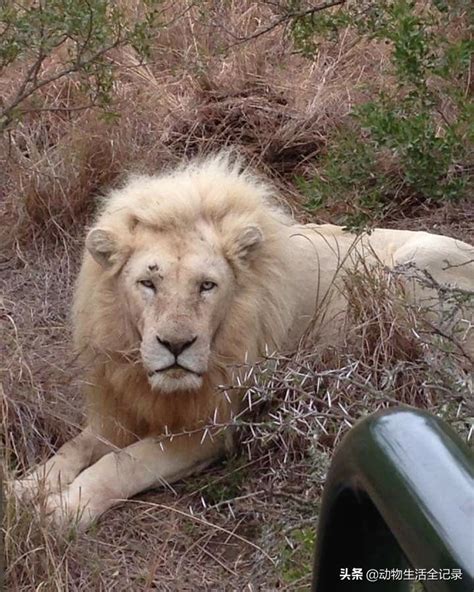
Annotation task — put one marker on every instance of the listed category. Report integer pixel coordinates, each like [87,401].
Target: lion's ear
[102,245]
[248,241]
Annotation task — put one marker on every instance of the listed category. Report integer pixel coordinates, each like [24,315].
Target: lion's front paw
[72,507]
[64,511]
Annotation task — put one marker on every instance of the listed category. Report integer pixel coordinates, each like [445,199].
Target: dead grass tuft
[394,352]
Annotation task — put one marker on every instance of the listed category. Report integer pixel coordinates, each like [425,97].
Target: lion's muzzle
[175,364]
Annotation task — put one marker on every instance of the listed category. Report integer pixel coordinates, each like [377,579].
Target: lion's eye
[147,284]
[206,286]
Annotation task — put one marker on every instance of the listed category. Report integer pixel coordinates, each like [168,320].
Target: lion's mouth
[174,370]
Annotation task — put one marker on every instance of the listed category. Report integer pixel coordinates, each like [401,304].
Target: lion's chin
[173,380]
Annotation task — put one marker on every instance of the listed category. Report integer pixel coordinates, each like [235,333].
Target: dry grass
[198,92]
[246,524]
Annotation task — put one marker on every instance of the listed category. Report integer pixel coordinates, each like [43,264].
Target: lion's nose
[176,347]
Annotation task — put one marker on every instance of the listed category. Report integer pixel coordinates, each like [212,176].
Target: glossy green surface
[399,495]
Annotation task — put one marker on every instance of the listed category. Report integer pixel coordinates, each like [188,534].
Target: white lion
[185,276]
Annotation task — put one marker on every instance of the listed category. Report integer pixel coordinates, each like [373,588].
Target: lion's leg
[140,466]
[60,470]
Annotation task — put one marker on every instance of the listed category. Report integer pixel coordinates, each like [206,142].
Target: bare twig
[287,17]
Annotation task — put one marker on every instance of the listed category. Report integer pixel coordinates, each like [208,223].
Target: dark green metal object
[399,495]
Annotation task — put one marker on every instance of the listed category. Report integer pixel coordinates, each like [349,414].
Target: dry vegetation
[247,524]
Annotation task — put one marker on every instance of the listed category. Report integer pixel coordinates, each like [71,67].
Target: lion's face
[177,289]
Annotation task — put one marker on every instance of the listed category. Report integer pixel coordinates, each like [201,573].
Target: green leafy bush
[409,143]
[80,33]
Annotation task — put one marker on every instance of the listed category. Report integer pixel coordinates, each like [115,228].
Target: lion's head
[182,269]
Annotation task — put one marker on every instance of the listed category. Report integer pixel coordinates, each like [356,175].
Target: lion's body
[273,278]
